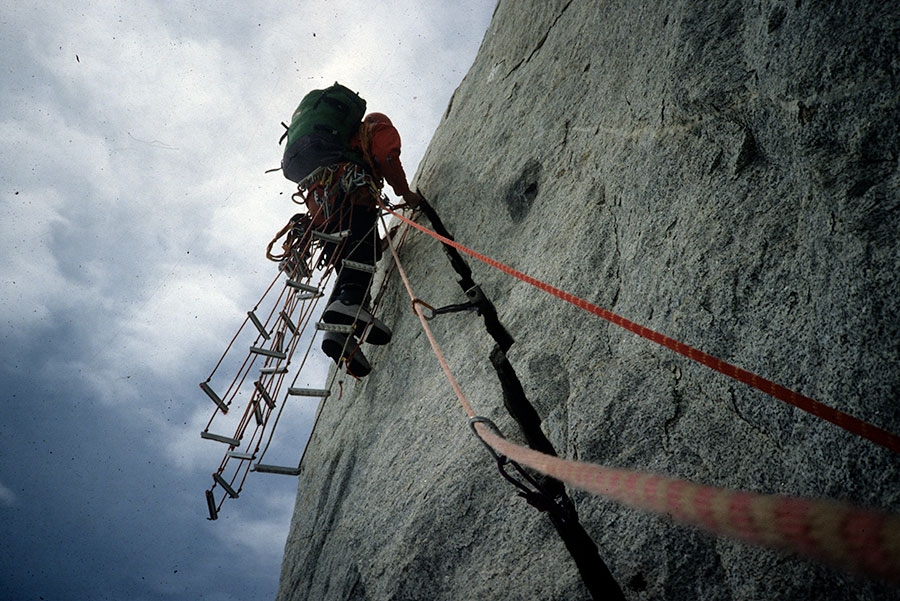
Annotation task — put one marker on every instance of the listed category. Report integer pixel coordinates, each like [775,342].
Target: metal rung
[224,484]
[309,392]
[267,352]
[334,327]
[257,413]
[243,456]
[264,394]
[279,342]
[287,321]
[258,324]
[359,266]
[211,394]
[309,296]
[304,287]
[219,438]
[338,237]
[276,469]
[273,370]
[211,504]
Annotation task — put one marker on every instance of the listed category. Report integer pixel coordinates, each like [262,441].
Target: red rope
[843,535]
[839,418]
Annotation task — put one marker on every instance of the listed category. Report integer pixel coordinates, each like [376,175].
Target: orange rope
[849,537]
[856,539]
[841,419]
[417,308]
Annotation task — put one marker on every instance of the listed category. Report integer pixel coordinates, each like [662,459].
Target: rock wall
[723,172]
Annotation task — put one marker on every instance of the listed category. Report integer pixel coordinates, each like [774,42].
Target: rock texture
[725,173]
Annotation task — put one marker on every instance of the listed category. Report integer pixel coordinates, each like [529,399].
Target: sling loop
[537,496]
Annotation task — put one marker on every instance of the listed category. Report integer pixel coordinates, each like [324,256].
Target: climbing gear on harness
[301,242]
[320,131]
[297,229]
[330,190]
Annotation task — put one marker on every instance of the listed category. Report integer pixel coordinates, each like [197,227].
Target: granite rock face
[725,173]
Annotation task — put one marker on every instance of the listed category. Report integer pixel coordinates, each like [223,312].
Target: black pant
[362,246]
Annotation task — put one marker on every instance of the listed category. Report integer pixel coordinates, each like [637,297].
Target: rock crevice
[725,174]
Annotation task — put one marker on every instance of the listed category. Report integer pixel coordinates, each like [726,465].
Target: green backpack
[320,131]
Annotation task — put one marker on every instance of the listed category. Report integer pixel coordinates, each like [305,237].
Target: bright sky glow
[134,137]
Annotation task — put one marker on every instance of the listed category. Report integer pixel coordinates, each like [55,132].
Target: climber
[379,143]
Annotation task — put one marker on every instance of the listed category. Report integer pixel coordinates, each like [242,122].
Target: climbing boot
[344,313]
[342,348]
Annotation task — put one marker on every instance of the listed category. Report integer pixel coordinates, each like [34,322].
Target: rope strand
[839,418]
[848,537]
[856,539]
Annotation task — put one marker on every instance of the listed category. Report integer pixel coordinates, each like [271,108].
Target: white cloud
[186,450]
[28,268]
[7,497]
[259,525]
[142,210]
[134,208]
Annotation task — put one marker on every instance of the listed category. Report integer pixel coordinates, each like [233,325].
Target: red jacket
[383,141]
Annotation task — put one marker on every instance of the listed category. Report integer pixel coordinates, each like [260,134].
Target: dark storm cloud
[135,211]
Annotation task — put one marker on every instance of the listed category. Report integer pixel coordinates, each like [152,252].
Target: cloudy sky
[134,137]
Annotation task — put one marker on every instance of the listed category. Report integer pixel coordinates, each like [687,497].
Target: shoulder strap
[365,142]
